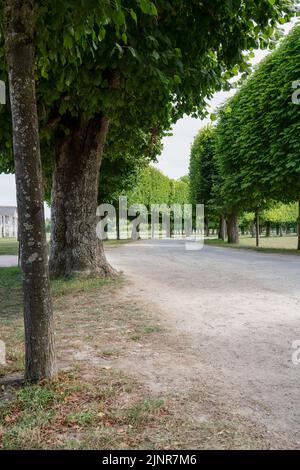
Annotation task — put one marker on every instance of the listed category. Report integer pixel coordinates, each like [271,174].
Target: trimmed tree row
[251,159]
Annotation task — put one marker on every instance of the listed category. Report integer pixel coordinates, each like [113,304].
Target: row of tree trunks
[75,247]
[38,316]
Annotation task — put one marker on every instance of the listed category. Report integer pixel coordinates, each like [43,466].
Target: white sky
[174,161]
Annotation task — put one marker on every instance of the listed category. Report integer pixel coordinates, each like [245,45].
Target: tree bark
[222,228]
[268,229]
[75,247]
[38,315]
[233,229]
[257,226]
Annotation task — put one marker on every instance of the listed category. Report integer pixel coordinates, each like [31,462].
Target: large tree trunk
[233,229]
[222,228]
[75,247]
[38,316]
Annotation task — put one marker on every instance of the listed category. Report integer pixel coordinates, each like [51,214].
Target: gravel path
[238,312]
[233,316]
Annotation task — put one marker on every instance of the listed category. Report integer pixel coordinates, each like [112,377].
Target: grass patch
[144,411]
[284,245]
[65,287]
[10,292]
[75,413]
[115,243]
[9,246]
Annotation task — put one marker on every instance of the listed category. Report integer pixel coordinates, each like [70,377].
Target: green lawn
[287,244]
[8,246]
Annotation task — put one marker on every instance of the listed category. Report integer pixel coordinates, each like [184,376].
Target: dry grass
[93,404]
[286,244]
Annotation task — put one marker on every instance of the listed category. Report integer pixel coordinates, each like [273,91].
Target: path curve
[239,313]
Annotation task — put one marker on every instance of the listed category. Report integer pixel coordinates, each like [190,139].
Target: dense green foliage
[282,214]
[276,216]
[121,167]
[153,187]
[258,148]
[250,161]
[81,43]
[203,171]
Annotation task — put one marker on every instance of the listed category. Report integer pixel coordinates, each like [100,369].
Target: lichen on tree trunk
[75,247]
[38,315]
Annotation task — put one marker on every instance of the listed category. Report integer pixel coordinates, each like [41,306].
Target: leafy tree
[258,148]
[154,188]
[180,191]
[203,175]
[282,214]
[92,60]
[122,164]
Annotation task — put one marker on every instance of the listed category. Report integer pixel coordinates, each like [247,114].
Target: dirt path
[231,317]
[8,261]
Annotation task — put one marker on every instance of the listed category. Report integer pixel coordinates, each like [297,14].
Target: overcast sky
[174,160]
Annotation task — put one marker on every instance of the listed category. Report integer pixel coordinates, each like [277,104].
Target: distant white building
[8,222]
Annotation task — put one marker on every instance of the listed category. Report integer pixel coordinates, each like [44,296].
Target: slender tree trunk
[206,226]
[299,228]
[38,315]
[268,229]
[75,247]
[118,223]
[222,228]
[257,225]
[280,231]
[233,229]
